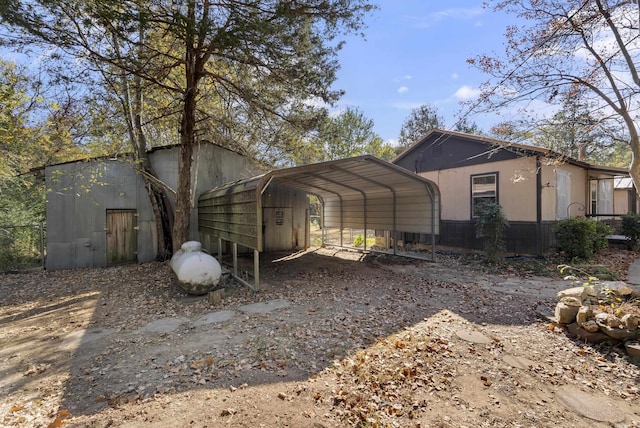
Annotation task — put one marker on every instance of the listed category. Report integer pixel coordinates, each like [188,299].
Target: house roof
[440,136]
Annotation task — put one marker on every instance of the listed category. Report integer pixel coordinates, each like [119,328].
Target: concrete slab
[473,336]
[215,317]
[634,273]
[163,325]
[518,362]
[265,307]
[596,407]
[82,337]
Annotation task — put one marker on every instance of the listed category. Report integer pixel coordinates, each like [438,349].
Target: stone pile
[598,315]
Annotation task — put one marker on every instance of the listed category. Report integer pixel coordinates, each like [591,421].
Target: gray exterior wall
[80,193]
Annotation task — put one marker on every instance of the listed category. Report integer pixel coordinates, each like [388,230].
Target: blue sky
[415,53]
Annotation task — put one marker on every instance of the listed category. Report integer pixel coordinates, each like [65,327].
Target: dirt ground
[351,341]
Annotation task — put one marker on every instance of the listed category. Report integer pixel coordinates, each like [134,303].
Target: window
[484,188]
[563,194]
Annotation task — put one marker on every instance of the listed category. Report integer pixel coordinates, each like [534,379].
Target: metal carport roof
[362,192]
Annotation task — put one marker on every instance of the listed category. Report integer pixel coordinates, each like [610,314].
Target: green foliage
[420,121]
[580,238]
[351,134]
[600,241]
[358,241]
[490,225]
[631,228]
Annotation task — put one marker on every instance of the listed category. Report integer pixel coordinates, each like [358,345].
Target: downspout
[539,204]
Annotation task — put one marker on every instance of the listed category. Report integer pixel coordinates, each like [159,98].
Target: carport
[363,192]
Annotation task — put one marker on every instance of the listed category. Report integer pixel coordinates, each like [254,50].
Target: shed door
[278,228]
[122,239]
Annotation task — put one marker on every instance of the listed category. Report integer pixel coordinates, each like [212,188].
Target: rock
[580,293]
[571,301]
[633,350]
[630,321]
[618,288]
[583,315]
[618,333]
[216,296]
[565,314]
[591,326]
[581,333]
[607,320]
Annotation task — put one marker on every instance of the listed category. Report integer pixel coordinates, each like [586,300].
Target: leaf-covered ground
[368,342]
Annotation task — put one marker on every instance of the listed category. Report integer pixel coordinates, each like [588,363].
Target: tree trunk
[193,73]
[634,168]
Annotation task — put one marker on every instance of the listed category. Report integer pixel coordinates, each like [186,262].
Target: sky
[415,52]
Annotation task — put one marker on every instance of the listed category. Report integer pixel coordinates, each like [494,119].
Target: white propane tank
[197,272]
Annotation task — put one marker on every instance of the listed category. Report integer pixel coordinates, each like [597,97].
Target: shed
[99,213]
[363,192]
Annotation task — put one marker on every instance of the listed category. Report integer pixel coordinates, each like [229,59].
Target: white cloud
[458,14]
[400,79]
[403,89]
[466,93]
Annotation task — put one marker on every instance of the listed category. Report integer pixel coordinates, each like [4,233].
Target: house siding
[516,188]
[444,151]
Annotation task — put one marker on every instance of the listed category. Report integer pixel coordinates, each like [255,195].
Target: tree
[570,47]
[420,121]
[576,130]
[349,134]
[258,57]
[34,130]
[466,127]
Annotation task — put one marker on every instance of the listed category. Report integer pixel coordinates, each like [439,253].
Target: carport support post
[256,269]
[235,259]
[220,249]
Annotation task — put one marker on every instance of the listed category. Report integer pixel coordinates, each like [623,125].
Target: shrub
[631,228]
[490,225]
[580,238]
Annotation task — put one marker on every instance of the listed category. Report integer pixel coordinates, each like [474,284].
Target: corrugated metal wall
[81,193]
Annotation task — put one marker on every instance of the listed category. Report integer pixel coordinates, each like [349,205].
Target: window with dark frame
[484,188]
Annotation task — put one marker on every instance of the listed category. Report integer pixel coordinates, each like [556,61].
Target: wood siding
[122,237]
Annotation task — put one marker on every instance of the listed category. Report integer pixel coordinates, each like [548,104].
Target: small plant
[580,238]
[490,225]
[631,229]
[359,240]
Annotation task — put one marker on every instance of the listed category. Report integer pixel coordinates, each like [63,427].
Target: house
[98,210]
[536,187]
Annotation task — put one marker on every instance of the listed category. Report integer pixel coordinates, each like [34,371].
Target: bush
[490,225]
[631,228]
[580,238]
